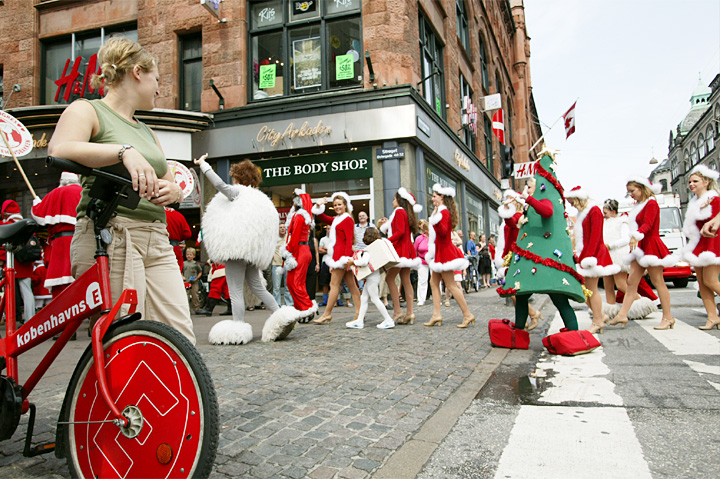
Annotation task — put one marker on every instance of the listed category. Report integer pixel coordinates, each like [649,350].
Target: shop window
[68,62]
[701,146]
[483,65]
[693,154]
[476,218]
[462,25]
[191,72]
[433,83]
[469,124]
[304,47]
[710,138]
[489,144]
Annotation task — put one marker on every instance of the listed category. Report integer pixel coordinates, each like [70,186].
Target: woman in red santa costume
[296,253]
[647,250]
[400,228]
[339,251]
[443,257]
[511,210]
[593,259]
[57,211]
[703,252]
[237,227]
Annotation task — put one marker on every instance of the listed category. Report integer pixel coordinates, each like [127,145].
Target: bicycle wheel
[161,378]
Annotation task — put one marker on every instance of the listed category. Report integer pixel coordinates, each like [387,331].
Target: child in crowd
[362,258]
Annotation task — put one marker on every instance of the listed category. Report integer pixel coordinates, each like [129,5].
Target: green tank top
[115,129]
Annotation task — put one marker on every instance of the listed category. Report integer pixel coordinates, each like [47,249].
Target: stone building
[362,96]
[694,141]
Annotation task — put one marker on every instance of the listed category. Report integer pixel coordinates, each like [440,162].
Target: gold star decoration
[547,151]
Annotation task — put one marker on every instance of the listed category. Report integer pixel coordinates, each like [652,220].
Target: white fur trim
[611,309]
[443,190]
[50,282]
[637,235]
[240,229]
[299,191]
[641,308]
[404,193]
[648,260]
[346,197]
[500,245]
[290,262]
[435,219]
[318,209]
[507,211]
[698,209]
[230,332]
[417,208]
[632,219]
[655,188]
[458,264]
[54,219]
[578,193]
[278,321]
[409,263]
[588,267]
[579,242]
[306,215]
[706,172]
[332,238]
[501,272]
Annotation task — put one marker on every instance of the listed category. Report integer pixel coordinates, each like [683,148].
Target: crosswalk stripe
[685,340]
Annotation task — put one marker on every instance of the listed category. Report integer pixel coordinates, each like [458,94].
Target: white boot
[356,324]
[230,332]
[387,324]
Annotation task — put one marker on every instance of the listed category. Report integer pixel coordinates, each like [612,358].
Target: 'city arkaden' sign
[272,136]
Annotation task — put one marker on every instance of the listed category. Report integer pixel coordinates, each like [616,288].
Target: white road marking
[703,368]
[685,340]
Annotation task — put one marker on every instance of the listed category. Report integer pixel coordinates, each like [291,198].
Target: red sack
[504,334]
[570,343]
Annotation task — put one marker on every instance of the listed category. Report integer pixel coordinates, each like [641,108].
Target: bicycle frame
[88,295]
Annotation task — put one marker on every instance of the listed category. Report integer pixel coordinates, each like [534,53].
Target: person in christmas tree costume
[542,260]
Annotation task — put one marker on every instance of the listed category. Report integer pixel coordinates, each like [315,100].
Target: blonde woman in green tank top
[105,134]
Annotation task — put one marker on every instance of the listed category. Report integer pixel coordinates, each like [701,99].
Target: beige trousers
[148,265]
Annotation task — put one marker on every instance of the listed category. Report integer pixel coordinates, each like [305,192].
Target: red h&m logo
[71,84]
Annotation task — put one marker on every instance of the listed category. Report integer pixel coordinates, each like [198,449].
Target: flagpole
[551,127]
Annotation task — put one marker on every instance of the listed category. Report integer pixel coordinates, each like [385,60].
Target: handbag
[504,334]
[571,343]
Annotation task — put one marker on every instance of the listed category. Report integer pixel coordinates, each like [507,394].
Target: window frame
[484,77]
[489,144]
[435,53]
[468,137]
[286,27]
[462,25]
[182,61]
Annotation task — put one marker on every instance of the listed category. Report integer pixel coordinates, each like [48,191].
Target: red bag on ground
[504,334]
[570,343]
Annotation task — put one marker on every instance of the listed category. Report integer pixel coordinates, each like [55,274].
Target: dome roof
[698,105]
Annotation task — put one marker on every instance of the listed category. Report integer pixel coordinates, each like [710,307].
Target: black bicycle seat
[18,233]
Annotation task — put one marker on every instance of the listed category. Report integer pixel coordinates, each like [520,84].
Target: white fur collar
[435,219]
[579,242]
[632,216]
[387,227]
[698,209]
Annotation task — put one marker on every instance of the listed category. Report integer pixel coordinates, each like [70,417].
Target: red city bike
[141,402]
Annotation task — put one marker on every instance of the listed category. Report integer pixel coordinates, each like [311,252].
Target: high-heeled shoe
[325,318]
[618,320]
[447,303]
[398,317]
[466,321]
[434,320]
[709,325]
[665,324]
[597,328]
[408,318]
[534,321]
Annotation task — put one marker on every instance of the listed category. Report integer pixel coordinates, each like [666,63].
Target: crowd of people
[146,248]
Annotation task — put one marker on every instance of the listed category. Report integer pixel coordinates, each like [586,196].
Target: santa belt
[303,242]
[175,242]
[61,234]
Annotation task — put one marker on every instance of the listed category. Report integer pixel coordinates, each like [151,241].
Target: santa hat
[410,198]
[577,192]
[444,190]
[346,197]
[656,189]
[10,207]
[703,170]
[305,198]
[68,177]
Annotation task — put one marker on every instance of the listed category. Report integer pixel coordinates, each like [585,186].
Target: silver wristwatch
[122,151]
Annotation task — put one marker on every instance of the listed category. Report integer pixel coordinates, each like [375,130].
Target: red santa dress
[218,282]
[41,293]
[701,251]
[593,256]
[644,221]
[178,230]
[508,237]
[397,228]
[296,252]
[340,237]
[442,255]
[57,212]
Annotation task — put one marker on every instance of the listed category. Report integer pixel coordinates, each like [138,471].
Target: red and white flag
[498,126]
[569,118]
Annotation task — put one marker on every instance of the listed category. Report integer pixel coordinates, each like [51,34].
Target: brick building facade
[355,95]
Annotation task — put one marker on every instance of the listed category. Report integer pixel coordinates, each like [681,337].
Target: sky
[632,66]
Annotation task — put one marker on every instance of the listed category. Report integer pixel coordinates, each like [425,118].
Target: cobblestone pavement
[327,402]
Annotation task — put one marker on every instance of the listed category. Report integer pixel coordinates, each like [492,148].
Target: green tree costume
[542,259]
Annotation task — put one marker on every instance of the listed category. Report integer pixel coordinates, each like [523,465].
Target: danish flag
[498,126]
[569,118]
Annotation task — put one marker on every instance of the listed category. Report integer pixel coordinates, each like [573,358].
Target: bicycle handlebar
[68,165]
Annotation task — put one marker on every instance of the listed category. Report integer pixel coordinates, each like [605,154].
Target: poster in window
[306,60]
[300,6]
[267,76]
[344,67]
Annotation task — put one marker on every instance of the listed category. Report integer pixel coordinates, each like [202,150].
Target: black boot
[209,306]
[228,311]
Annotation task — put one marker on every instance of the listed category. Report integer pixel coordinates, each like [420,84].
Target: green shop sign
[345,165]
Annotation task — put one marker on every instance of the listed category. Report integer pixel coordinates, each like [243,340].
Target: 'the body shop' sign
[345,165]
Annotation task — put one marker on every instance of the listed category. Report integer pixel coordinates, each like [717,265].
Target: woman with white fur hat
[594,259]
[339,251]
[400,228]
[702,252]
[236,227]
[647,250]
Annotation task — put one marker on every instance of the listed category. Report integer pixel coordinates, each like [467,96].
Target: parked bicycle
[141,402]
[471,278]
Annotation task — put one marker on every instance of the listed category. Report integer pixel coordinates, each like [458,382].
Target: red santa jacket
[593,256]
[340,237]
[398,230]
